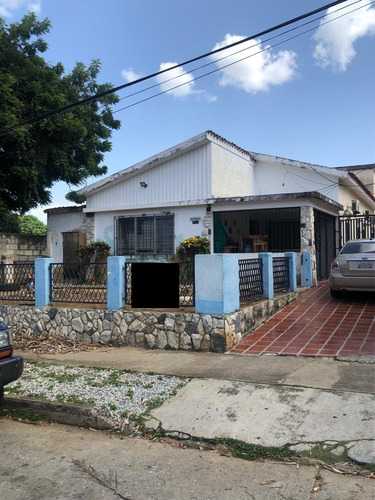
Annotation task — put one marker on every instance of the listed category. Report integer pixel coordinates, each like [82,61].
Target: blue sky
[311,98]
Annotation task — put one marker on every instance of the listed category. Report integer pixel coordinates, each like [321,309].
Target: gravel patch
[118,395]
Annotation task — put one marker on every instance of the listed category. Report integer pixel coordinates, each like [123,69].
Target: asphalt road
[57,462]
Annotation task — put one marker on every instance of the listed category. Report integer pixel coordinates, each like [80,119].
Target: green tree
[25,224]
[67,146]
[29,224]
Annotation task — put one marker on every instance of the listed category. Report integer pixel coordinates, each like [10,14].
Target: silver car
[354,268]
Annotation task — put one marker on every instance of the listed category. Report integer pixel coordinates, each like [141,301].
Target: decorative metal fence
[356,227]
[280,274]
[17,281]
[251,279]
[79,283]
[186,286]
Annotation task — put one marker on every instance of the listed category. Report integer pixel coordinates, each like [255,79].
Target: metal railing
[186,284]
[79,283]
[17,281]
[251,279]
[280,274]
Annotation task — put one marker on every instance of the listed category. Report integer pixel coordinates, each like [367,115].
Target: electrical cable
[185,63]
[245,49]
[227,65]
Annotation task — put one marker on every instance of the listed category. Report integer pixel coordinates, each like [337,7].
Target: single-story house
[207,186]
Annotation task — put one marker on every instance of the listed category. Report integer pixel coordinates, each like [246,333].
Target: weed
[13,390]
[154,403]
[168,347]
[19,414]
[247,451]
[323,452]
[61,378]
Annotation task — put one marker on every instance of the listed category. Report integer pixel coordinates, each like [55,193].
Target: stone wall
[146,329]
[21,247]
[308,237]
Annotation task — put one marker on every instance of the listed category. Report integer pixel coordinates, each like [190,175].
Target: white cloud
[129,75]
[335,40]
[181,84]
[257,69]
[8,7]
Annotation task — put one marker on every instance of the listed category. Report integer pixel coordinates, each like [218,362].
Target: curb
[61,413]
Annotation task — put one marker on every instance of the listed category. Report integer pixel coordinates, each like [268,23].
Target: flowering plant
[193,246]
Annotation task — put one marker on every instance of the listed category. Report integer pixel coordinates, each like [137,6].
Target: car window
[359,247]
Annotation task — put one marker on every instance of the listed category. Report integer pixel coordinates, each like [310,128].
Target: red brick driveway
[317,325]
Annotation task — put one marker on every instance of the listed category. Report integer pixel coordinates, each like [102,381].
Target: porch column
[292,271]
[42,282]
[115,282]
[217,284]
[306,268]
[268,292]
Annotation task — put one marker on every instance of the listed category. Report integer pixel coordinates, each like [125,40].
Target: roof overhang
[278,197]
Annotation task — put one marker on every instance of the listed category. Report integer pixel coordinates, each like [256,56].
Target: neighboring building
[207,186]
[67,229]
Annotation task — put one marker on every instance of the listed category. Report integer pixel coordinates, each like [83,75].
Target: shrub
[93,251]
[191,247]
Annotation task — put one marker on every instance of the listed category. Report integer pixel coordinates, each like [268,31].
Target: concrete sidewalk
[355,375]
[276,401]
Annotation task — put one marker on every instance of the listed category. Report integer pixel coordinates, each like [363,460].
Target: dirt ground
[56,462]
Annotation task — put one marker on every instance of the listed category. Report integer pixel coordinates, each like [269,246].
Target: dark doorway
[70,247]
[325,243]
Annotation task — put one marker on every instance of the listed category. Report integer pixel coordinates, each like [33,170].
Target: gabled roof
[210,136]
[155,160]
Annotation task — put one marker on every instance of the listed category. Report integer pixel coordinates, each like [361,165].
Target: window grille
[145,235]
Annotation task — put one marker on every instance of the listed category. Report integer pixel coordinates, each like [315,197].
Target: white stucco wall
[57,223]
[184,227]
[232,172]
[272,178]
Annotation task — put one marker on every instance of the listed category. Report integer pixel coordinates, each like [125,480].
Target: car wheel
[1,394]
[336,294]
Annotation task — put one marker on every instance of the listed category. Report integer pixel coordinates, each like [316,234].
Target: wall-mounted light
[143,184]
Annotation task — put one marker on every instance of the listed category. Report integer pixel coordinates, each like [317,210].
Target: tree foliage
[21,224]
[68,146]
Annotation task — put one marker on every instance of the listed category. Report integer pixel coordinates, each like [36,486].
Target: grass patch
[251,452]
[62,398]
[61,377]
[22,415]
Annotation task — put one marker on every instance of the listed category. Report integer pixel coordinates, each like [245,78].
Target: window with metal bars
[144,235]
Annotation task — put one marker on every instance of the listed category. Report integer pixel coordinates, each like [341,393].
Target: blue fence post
[306,269]
[292,271]
[217,284]
[42,282]
[115,282]
[268,289]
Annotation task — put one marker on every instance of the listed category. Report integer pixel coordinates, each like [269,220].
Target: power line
[31,121]
[232,63]
[239,51]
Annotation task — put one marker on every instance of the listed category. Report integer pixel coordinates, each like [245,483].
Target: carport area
[317,325]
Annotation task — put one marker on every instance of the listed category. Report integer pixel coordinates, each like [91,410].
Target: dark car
[11,367]
[353,270]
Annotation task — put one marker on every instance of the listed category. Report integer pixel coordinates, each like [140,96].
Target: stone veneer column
[308,238]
